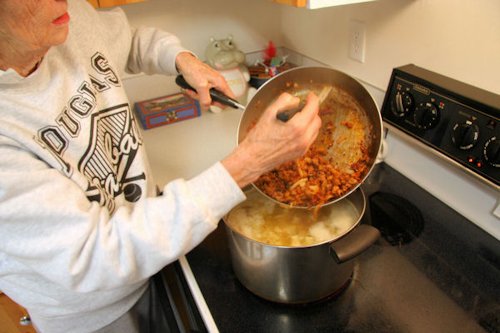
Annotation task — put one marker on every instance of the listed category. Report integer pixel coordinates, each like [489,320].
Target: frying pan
[351,123]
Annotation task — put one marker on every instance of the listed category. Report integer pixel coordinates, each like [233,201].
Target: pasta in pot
[265,221]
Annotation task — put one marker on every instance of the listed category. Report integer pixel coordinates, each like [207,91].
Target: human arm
[156,51]
[48,225]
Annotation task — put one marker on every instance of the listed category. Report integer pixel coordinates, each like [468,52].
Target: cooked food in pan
[334,165]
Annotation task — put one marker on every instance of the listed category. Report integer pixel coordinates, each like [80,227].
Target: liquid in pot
[265,221]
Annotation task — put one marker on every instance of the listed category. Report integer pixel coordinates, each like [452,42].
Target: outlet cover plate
[357,40]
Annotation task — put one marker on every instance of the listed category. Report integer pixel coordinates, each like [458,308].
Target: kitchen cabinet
[111,3]
[10,315]
[314,4]
[296,3]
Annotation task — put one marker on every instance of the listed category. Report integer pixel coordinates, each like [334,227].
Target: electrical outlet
[357,40]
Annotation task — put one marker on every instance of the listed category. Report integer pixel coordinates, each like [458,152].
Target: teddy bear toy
[224,56]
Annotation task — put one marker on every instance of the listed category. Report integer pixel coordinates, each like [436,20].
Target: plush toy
[224,56]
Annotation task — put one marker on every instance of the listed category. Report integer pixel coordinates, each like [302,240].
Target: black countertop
[432,271]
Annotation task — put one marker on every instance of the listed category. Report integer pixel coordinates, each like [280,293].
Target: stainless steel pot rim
[358,191]
[347,194]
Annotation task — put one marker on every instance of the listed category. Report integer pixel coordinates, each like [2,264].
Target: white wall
[458,38]
[251,22]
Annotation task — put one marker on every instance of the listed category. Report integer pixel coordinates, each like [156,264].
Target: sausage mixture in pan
[334,165]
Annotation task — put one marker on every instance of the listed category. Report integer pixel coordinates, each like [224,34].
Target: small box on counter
[166,110]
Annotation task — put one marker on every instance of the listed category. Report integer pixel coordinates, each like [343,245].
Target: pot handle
[217,95]
[286,115]
[354,243]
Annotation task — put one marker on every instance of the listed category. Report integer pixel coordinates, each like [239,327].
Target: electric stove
[432,270]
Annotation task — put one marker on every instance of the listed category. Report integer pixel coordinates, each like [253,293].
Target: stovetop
[431,271]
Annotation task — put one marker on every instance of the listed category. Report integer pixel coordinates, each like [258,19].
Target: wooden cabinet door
[111,3]
[314,4]
[10,315]
[94,3]
[296,3]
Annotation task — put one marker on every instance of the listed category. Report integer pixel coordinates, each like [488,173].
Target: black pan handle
[286,115]
[217,96]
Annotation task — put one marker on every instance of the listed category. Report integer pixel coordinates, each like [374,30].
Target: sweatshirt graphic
[114,139]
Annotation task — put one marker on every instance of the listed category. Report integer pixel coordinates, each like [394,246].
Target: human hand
[272,142]
[202,78]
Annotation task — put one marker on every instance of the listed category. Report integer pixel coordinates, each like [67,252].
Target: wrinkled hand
[202,78]
[272,142]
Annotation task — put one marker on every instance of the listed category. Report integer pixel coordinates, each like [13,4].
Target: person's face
[33,24]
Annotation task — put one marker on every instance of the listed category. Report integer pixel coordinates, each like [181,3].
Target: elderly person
[81,226]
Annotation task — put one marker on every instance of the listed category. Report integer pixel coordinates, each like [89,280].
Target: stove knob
[465,135]
[402,103]
[492,152]
[426,115]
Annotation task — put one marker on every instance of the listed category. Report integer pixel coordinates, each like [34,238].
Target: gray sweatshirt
[81,227]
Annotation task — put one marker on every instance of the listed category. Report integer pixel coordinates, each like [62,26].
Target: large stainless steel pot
[300,274]
[312,78]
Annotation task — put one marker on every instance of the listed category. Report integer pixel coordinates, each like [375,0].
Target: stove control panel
[453,119]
